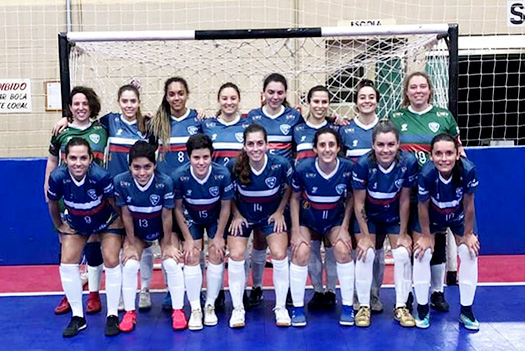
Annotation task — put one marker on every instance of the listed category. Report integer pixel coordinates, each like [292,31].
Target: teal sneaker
[422,323]
[469,323]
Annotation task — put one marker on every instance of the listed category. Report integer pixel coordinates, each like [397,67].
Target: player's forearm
[54,212]
[470,213]
[51,165]
[424,220]
[349,207]
[181,221]
[294,209]
[284,200]
[359,210]
[404,210]
[127,219]
[224,215]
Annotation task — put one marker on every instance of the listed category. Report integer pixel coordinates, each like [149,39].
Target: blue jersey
[227,139]
[181,129]
[145,203]
[446,199]
[279,129]
[86,200]
[383,186]
[357,138]
[202,197]
[322,195]
[122,135]
[260,199]
[303,138]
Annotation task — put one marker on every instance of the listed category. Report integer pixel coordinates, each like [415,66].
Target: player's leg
[315,272]
[468,281]
[421,278]
[193,278]
[175,282]
[330,266]
[111,245]
[258,263]
[452,260]
[278,244]
[376,306]
[147,260]
[438,272]
[95,266]
[363,281]
[132,250]
[214,279]
[237,278]
[403,284]
[298,275]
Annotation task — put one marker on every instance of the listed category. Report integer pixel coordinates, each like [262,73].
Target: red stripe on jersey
[279,146]
[140,215]
[91,212]
[321,206]
[382,202]
[415,147]
[444,210]
[178,148]
[305,154]
[226,153]
[201,207]
[258,200]
[119,148]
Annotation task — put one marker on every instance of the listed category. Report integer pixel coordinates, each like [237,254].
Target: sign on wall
[15,96]
[515,13]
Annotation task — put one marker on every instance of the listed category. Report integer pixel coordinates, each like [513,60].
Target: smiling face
[255,146]
[78,160]
[129,104]
[142,169]
[418,92]
[177,96]
[367,100]
[444,155]
[385,147]
[229,101]
[80,109]
[327,148]
[200,160]
[274,95]
[319,104]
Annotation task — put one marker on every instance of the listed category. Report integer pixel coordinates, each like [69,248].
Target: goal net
[337,57]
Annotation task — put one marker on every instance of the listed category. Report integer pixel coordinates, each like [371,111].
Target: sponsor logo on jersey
[354,143]
[154,198]
[211,124]
[228,188]
[119,132]
[128,199]
[314,189]
[349,130]
[397,114]
[399,183]
[459,192]
[442,114]
[404,127]
[289,171]
[290,116]
[159,186]
[303,138]
[218,177]
[94,138]
[213,136]
[239,137]
[188,192]
[270,182]
[306,205]
[310,175]
[433,126]
[285,128]
[92,193]
[192,130]
[214,191]
[124,183]
[184,178]
[340,188]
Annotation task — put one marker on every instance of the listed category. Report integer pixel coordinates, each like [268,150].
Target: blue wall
[28,237]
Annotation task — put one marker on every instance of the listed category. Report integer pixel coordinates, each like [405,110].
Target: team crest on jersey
[94,138]
[399,183]
[239,137]
[192,130]
[92,193]
[270,182]
[404,127]
[214,191]
[285,128]
[340,188]
[154,198]
[433,126]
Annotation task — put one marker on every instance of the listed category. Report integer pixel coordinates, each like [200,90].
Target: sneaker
[452,278]
[245,301]
[376,306]
[166,303]
[128,322]
[63,306]
[289,301]
[317,301]
[75,325]
[347,315]
[329,300]
[403,316]
[298,317]
[362,318]
[144,300]
[468,323]
[438,302]
[112,328]
[93,303]
[237,318]
[121,304]
[422,323]
[256,297]
[219,302]
[210,318]
[178,320]
[282,318]
[195,322]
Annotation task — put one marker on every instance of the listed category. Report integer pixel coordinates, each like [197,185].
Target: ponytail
[242,170]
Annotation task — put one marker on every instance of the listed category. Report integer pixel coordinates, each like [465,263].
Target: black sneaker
[112,328]
[452,278]
[317,301]
[289,301]
[245,301]
[75,325]
[219,301]
[256,297]
[438,302]
[329,300]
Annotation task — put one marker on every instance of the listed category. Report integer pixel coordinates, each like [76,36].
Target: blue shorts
[323,229]
[378,228]
[197,230]
[263,225]
[103,229]
[458,227]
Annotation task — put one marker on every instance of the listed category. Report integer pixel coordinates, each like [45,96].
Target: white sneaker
[144,299]
[282,318]
[210,318]
[237,318]
[195,322]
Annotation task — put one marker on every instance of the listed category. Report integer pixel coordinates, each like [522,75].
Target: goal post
[337,57]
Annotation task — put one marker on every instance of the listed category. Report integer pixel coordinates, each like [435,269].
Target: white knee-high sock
[315,266]
[113,288]
[452,252]
[401,259]
[345,274]
[129,283]
[94,277]
[146,267]
[258,264]
[298,275]
[422,277]
[468,276]
[363,277]
[214,275]
[70,277]
[175,279]
[236,281]
[193,283]
[331,269]
[437,274]
[281,281]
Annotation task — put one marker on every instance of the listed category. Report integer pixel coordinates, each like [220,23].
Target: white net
[337,62]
